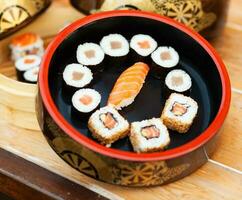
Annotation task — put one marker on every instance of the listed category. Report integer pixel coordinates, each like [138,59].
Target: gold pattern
[188,12]
[146,174]
[79,163]
[15,12]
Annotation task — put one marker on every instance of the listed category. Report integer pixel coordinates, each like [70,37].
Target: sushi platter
[144,110]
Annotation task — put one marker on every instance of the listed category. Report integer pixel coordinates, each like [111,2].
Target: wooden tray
[220,178]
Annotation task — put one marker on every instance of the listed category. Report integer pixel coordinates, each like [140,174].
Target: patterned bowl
[119,164]
[14,14]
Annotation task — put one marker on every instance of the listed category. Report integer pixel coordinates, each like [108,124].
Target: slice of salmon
[108,120]
[128,85]
[85,99]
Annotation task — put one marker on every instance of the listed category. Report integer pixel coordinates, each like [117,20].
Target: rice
[89,54]
[179,112]
[115,45]
[149,143]
[104,134]
[166,57]
[178,80]
[27,62]
[31,75]
[148,43]
[83,107]
[76,75]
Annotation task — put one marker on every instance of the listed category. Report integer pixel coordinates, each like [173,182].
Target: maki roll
[76,76]
[91,55]
[31,75]
[108,126]
[177,81]
[179,112]
[26,44]
[85,102]
[149,136]
[142,46]
[116,47]
[163,60]
[25,63]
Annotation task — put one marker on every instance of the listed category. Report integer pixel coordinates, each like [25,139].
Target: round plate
[211,87]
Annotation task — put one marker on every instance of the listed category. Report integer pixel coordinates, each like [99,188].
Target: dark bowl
[72,141]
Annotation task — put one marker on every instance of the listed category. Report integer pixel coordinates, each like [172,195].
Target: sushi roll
[116,48]
[149,136]
[128,85]
[177,81]
[90,55]
[26,44]
[31,75]
[164,59]
[25,63]
[84,103]
[179,112]
[108,126]
[142,46]
[76,76]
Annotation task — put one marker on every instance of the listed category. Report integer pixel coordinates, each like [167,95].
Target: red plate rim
[131,156]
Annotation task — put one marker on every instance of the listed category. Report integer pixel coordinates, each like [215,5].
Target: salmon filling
[179,109]
[144,44]
[176,81]
[108,120]
[76,76]
[25,39]
[85,99]
[115,45]
[165,55]
[29,61]
[150,132]
[90,54]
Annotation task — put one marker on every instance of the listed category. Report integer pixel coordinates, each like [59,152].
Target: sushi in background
[26,44]
[24,64]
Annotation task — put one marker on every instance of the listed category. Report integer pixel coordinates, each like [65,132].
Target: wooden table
[29,169]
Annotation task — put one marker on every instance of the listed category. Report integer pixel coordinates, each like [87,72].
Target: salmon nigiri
[128,85]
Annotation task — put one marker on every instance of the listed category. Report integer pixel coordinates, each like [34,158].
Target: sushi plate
[70,137]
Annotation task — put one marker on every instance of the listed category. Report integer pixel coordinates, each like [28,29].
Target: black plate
[206,88]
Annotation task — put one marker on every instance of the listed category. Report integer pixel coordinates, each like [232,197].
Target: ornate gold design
[12,16]
[188,12]
[79,163]
[146,174]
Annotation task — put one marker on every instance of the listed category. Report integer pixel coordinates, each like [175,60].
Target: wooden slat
[230,144]
[18,179]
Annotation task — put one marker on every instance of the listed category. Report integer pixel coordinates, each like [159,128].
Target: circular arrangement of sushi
[107,124]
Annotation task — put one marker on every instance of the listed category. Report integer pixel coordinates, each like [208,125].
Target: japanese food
[76,76]
[149,136]
[108,126]
[178,81]
[91,55]
[116,48]
[85,102]
[164,59]
[128,85]
[142,45]
[179,112]
[26,44]
[25,63]
[115,45]
[31,75]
